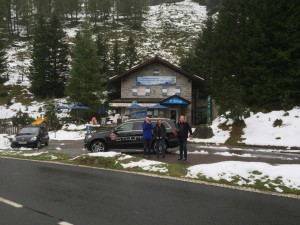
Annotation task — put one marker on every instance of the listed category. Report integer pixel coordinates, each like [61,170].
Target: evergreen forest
[248,52]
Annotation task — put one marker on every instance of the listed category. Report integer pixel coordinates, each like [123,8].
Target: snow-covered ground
[220,136]
[170,27]
[260,129]
[18,64]
[35,109]
[250,173]
[67,135]
[4,142]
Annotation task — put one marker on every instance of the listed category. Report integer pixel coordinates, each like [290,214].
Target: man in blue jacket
[147,136]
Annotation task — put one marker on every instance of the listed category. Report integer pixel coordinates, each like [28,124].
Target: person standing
[159,132]
[183,130]
[147,136]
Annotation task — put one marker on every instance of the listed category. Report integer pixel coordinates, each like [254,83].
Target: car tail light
[174,132]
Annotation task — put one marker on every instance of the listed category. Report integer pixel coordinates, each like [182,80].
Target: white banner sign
[156,80]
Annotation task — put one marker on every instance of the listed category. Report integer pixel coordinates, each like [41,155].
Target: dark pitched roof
[153,60]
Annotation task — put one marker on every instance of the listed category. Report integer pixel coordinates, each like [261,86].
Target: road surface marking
[64,223]
[11,203]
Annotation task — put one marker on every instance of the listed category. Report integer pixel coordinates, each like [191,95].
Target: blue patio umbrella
[62,107]
[135,106]
[158,106]
[79,108]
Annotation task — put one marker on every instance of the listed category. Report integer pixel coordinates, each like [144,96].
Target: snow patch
[67,135]
[4,142]
[285,135]
[233,154]
[104,154]
[249,172]
[147,165]
[220,136]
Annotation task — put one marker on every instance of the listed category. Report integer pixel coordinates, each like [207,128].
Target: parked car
[31,136]
[128,135]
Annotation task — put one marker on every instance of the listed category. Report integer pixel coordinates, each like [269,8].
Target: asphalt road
[59,194]
[75,148]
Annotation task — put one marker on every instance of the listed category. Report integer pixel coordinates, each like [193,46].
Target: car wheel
[38,144]
[98,146]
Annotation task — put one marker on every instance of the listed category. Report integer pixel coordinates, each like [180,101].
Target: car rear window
[125,127]
[137,126]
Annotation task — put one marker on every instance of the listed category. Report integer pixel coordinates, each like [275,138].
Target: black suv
[128,135]
[31,136]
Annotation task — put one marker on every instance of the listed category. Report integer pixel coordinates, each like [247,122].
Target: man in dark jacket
[159,132]
[147,136]
[183,130]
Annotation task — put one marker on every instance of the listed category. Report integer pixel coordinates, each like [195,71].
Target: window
[141,91]
[178,90]
[164,91]
[156,72]
[167,126]
[127,112]
[171,90]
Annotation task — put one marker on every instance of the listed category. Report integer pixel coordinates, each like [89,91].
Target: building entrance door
[174,115]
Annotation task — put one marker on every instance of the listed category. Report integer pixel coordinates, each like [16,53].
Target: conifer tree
[73,8]
[58,58]
[116,58]
[39,58]
[103,53]
[28,16]
[49,66]
[3,60]
[131,57]
[85,79]
[253,50]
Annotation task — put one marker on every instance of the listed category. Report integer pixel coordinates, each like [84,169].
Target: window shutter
[134,91]
[147,91]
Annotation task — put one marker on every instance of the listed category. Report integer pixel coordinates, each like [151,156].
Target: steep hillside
[168,30]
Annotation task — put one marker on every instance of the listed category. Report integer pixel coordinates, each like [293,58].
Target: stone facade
[156,91]
[183,82]
[181,97]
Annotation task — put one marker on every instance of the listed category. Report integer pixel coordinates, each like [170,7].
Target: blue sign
[175,101]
